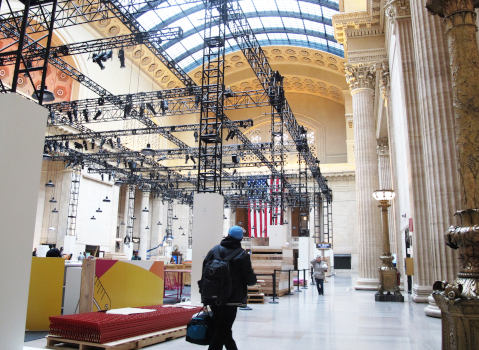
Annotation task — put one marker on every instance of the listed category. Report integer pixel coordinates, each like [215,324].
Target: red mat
[100,327]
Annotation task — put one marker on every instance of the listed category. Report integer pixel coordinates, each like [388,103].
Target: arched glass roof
[305,23]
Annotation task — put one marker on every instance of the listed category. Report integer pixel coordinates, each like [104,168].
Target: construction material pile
[100,327]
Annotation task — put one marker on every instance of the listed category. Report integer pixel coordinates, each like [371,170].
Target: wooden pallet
[256,298]
[138,342]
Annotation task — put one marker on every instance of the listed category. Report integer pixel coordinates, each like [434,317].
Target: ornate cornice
[356,24]
[446,8]
[396,9]
[360,76]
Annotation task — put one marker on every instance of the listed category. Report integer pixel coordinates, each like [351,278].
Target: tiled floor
[341,319]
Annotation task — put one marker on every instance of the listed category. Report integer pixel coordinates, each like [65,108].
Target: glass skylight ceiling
[305,23]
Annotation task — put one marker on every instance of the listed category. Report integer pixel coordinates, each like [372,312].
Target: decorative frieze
[360,76]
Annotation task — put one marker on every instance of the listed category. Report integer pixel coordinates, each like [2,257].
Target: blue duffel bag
[199,329]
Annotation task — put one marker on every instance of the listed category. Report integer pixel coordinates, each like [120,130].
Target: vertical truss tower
[212,98]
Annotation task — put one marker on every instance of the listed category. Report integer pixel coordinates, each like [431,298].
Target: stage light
[230,135]
[99,210]
[101,101]
[70,117]
[86,115]
[97,114]
[52,117]
[106,200]
[142,111]
[147,151]
[102,142]
[151,108]
[85,145]
[163,106]
[118,141]
[92,145]
[78,145]
[127,110]
[235,159]
[110,141]
[121,57]
[195,135]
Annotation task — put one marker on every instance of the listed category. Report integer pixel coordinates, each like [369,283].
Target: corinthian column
[361,80]
[459,300]
[437,128]
[399,12]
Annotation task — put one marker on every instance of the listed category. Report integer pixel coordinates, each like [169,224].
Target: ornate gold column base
[460,322]
[388,282]
[459,301]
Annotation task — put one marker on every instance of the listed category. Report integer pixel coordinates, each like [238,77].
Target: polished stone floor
[341,319]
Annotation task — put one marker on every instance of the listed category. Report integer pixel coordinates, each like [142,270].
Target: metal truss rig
[97,45]
[132,132]
[249,45]
[210,146]
[154,104]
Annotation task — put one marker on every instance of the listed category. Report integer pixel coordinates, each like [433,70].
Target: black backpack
[216,283]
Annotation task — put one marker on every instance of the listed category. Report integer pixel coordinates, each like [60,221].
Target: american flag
[261,213]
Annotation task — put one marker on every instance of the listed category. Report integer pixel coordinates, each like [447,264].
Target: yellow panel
[128,285]
[355,5]
[46,292]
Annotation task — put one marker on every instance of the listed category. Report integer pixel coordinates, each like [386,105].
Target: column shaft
[423,255]
[437,128]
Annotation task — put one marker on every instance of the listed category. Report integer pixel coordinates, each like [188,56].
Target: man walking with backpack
[226,274]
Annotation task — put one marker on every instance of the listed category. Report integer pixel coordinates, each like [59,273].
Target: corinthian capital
[446,8]
[360,75]
[395,9]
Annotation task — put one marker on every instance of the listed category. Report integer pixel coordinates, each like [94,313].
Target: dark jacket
[242,274]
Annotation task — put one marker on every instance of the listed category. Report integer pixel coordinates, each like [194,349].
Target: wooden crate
[139,342]
[255,295]
[266,260]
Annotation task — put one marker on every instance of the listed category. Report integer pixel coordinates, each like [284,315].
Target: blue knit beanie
[236,232]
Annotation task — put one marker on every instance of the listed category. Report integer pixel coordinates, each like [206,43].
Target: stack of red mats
[100,327]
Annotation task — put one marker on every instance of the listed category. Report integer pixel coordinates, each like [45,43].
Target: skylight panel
[255,23]
[192,41]
[297,37]
[262,37]
[290,22]
[329,30]
[148,20]
[265,5]
[307,7]
[272,22]
[184,23]
[176,50]
[186,62]
[314,26]
[247,6]
[317,40]
[278,36]
[328,13]
[288,5]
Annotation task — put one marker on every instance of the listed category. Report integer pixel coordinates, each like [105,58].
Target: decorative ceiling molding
[139,55]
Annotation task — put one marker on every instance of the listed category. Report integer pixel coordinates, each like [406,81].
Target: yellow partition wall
[128,284]
[45,293]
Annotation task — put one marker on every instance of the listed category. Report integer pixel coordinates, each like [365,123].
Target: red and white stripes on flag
[261,214]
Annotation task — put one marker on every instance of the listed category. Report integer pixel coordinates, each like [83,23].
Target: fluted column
[144,224]
[361,80]
[399,12]
[437,129]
